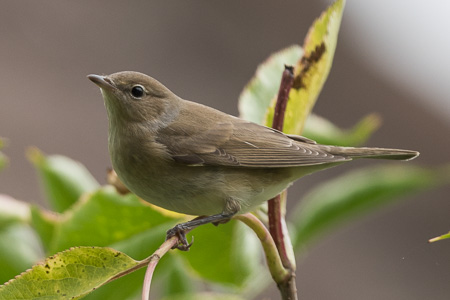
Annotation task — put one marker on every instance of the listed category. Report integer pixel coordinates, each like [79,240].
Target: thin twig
[153,261]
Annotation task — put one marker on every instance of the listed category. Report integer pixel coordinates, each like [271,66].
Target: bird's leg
[180,230]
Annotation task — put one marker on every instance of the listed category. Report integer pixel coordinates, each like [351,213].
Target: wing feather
[234,142]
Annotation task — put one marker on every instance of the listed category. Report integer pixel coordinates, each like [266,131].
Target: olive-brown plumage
[193,159]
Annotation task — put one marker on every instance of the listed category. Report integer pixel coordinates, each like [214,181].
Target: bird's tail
[377,153]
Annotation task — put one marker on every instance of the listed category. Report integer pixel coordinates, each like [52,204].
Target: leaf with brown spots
[312,69]
[69,275]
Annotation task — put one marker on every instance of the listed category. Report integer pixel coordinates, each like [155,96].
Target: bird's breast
[146,168]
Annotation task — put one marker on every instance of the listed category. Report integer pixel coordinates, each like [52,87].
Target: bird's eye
[137,91]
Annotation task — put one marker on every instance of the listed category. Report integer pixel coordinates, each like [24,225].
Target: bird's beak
[102,82]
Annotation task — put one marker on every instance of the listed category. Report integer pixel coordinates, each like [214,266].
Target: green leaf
[312,69]
[19,250]
[324,132]
[263,87]
[64,180]
[104,218]
[68,275]
[228,254]
[356,193]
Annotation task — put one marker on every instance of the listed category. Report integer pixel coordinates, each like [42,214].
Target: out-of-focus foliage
[94,233]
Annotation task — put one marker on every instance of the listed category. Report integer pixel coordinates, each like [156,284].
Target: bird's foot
[180,231]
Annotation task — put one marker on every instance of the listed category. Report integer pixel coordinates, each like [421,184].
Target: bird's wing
[237,143]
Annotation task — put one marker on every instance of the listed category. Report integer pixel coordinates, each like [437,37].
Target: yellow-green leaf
[108,219]
[312,69]
[68,275]
[440,238]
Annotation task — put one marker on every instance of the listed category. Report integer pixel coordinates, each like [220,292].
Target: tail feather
[376,153]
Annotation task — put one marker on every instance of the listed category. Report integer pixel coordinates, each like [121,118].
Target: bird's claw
[180,232]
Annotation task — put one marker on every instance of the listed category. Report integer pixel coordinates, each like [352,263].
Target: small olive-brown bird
[193,159]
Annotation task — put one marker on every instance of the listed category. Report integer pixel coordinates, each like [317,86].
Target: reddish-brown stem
[275,228]
[287,80]
[276,218]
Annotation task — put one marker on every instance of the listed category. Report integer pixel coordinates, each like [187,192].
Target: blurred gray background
[391,59]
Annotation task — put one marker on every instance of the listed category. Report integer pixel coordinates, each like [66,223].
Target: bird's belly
[200,190]
[177,190]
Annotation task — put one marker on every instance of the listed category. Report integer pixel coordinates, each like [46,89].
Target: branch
[153,261]
[276,206]
[287,80]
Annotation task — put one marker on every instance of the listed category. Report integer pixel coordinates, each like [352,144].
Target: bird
[193,159]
